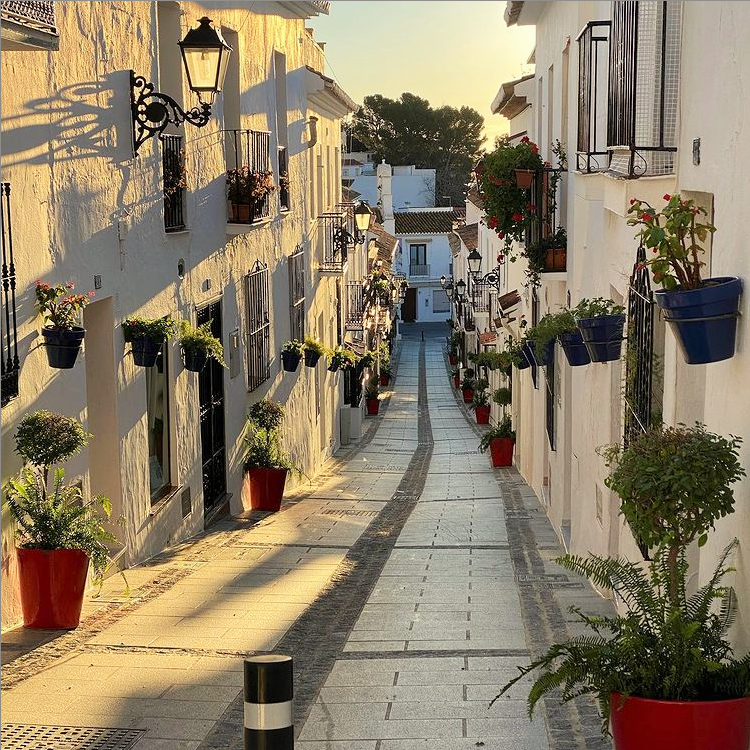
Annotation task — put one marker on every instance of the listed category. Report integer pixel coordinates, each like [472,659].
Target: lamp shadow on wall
[84,120]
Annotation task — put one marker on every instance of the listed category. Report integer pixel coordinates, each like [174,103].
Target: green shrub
[502,397]
[372,390]
[202,340]
[595,308]
[44,438]
[156,329]
[294,346]
[314,345]
[503,430]
[550,327]
[261,439]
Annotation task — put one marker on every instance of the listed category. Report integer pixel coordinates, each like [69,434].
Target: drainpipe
[313,124]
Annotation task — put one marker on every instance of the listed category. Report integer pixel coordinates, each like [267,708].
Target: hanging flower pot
[266,488]
[194,359]
[333,366]
[373,407]
[62,346]
[501,450]
[469,326]
[145,351]
[311,358]
[483,414]
[526,357]
[468,395]
[52,583]
[524,178]
[704,320]
[290,361]
[602,336]
[544,357]
[575,350]
[639,723]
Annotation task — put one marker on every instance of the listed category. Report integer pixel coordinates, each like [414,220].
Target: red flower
[517,217]
[647,217]
[501,235]
[525,139]
[667,196]
[655,250]
[534,148]
[500,258]
[632,201]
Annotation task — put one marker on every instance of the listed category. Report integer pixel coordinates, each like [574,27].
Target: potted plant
[547,255]
[467,385]
[502,397]
[551,327]
[663,672]
[702,312]
[199,345]
[480,401]
[147,336]
[601,323]
[314,350]
[367,360]
[59,530]
[59,307]
[520,352]
[385,374]
[373,398]
[455,343]
[500,440]
[246,191]
[469,325]
[291,355]
[456,377]
[341,359]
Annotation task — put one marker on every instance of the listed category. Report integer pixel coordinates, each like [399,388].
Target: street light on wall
[205,55]
[460,291]
[474,261]
[362,216]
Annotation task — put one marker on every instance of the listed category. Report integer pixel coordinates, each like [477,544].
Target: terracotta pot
[555,259]
[483,414]
[266,488]
[453,359]
[524,178]
[373,407]
[456,381]
[385,379]
[501,450]
[62,346]
[645,724]
[241,213]
[53,582]
[468,395]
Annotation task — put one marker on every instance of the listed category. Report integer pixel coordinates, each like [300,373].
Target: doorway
[409,308]
[211,397]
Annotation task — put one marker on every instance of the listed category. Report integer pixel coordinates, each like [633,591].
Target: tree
[408,130]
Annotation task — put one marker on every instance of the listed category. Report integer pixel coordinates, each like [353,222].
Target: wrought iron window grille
[297,293]
[284,185]
[173,171]
[257,304]
[334,239]
[10,362]
[248,166]
[355,306]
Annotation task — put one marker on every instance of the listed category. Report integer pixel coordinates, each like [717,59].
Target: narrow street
[407,582]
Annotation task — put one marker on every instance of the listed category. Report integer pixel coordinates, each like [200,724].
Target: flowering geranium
[59,306]
[245,185]
[675,235]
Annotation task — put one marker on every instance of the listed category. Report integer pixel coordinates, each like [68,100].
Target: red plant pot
[456,381]
[373,407]
[453,359]
[53,582]
[266,488]
[501,450]
[645,724]
[483,414]
[524,178]
[385,379]
[468,395]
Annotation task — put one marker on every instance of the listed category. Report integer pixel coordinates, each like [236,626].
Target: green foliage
[490,360]
[455,342]
[267,414]
[455,371]
[677,237]
[294,346]
[514,350]
[60,518]
[469,373]
[451,323]
[657,650]
[595,308]
[44,438]
[367,360]
[314,345]
[550,327]
[201,339]
[372,390]
[536,253]
[408,130]
[675,482]
[502,397]
[344,358]
[156,329]
[503,430]
[480,397]
[261,439]
[384,351]
[468,380]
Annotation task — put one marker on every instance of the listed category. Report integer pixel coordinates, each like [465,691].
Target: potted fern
[372,395]
[147,336]
[266,465]
[663,671]
[480,402]
[500,440]
[601,323]
[314,350]
[467,385]
[199,345]
[291,355]
[59,530]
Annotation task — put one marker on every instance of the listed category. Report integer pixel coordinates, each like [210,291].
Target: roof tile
[426,222]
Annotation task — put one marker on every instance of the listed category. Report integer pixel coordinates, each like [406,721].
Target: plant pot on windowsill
[240,213]
[145,351]
[290,361]
[194,359]
[524,178]
[62,346]
[575,350]
[483,414]
[501,450]
[266,487]
[704,320]
[640,723]
[602,336]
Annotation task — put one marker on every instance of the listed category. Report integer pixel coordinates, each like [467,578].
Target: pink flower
[534,148]
[525,139]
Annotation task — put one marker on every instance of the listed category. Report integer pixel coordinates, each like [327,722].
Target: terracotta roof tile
[426,222]
[386,244]
[469,234]
[473,197]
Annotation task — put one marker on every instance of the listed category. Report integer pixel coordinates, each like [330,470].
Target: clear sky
[452,52]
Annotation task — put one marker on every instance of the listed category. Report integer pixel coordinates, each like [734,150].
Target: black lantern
[449,290]
[474,261]
[362,216]
[460,292]
[205,55]
[442,281]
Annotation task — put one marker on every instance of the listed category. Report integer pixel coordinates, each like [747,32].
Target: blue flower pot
[603,336]
[545,357]
[62,346]
[574,348]
[704,320]
[527,357]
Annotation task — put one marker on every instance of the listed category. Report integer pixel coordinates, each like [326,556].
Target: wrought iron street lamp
[460,291]
[205,55]
[494,277]
[403,286]
[362,216]
[474,261]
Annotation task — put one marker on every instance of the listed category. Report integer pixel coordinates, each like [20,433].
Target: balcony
[419,271]
[332,242]
[29,25]
[249,176]
[480,297]
[355,306]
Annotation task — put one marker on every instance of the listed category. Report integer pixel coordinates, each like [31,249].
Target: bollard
[268,703]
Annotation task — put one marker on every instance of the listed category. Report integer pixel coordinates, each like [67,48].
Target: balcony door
[418,260]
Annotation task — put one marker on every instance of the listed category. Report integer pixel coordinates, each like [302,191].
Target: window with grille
[297,293]
[550,375]
[10,361]
[249,175]
[173,170]
[534,323]
[258,326]
[284,199]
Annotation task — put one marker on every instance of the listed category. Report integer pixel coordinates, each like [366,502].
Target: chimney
[385,196]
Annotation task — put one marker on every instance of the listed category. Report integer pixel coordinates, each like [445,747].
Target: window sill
[162,502]
[234,228]
[172,232]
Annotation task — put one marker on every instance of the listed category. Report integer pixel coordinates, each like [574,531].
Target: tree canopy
[408,130]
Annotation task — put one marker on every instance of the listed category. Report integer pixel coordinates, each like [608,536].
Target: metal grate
[37,737]
[10,362]
[248,151]
[534,323]
[40,14]
[355,306]
[480,296]
[551,397]
[173,169]
[297,293]
[332,239]
[284,200]
[258,326]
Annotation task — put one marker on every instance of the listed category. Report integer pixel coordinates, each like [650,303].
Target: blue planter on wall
[603,336]
[574,348]
[704,320]
[526,358]
[543,359]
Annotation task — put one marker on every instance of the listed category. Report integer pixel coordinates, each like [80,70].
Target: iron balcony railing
[593,56]
[332,242]
[10,362]
[355,306]
[284,198]
[39,14]
[249,175]
[422,269]
[480,297]
[173,170]
[347,208]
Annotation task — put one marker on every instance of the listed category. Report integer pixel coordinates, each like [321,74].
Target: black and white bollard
[269,689]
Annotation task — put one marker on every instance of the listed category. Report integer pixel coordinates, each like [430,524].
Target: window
[534,323]
[258,326]
[157,416]
[247,154]
[10,362]
[282,133]
[173,170]
[297,293]
[440,301]
[549,420]
[418,260]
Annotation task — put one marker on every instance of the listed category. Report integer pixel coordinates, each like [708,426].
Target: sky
[452,52]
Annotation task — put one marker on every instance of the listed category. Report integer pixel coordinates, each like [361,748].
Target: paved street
[407,581]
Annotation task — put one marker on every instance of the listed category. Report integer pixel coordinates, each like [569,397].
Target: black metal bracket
[491,278]
[152,111]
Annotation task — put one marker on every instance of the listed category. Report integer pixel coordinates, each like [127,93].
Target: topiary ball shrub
[44,438]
